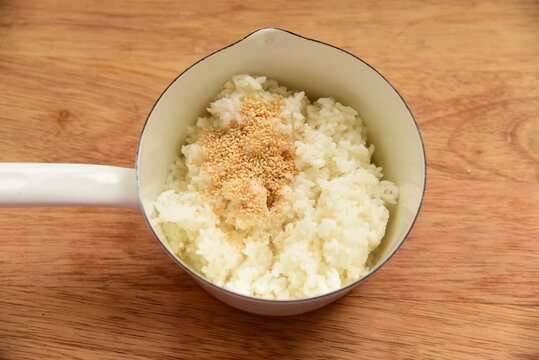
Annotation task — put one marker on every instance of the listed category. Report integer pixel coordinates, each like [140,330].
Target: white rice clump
[332,215]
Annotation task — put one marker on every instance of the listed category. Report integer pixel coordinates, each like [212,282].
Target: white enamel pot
[296,62]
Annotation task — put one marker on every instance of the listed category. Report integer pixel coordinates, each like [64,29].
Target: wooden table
[77,80]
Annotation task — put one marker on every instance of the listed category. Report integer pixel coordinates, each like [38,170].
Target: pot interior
[301,64]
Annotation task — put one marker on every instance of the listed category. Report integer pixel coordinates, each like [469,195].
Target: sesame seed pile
[250,161]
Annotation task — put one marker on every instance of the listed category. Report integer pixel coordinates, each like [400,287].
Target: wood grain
[78,78]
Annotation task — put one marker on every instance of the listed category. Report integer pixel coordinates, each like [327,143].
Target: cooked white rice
[332,215]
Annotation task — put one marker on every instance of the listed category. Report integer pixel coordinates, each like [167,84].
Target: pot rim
[252,298]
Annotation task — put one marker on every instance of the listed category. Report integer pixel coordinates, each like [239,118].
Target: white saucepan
[296,62]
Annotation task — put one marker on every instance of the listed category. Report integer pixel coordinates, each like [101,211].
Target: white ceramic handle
[31,184]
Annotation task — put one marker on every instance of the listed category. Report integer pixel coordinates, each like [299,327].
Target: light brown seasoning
[250,161]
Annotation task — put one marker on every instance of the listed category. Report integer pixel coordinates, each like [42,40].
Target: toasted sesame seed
[250,161]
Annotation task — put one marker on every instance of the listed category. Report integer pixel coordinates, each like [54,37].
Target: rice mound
[317,237]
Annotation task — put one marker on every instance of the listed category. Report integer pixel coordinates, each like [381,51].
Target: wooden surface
[77,80]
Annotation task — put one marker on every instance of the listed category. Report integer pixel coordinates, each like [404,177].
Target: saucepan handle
[34,184]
